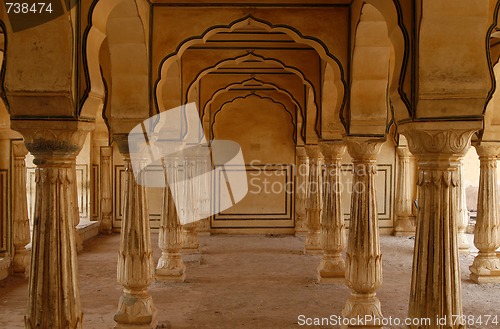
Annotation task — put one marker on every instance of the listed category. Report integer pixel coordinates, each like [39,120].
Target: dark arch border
[272,26]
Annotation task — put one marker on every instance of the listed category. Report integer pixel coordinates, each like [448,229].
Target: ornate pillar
[20,221]
[435,289]
[463,214]
[204,164]
[135,270]
[301,178]
[486,266]
[190,242]
[170,265]
[405,221]
[54,300]
[314,202]
[333,240]
[363,256]
[106,225]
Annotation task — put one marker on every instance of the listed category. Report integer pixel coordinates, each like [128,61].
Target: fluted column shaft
[170,265]
[20,221]
[333,239]
[463,215]
[135,269]
[204,165]
[314,203]
[106,225]
[405,222]
[54,300]
[363,255]
[190,242]
[301,179]
[435,290]
[486,266]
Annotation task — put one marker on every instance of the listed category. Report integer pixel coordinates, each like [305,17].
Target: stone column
[486,266]
[301,177]
[363,256]
[405,221]
[435,289]
[314,202]
[204,164]
[190,242]
[20,221]
[106,225]
[135,270]
[333,239]
[463,214]
[170,265]
[54,300]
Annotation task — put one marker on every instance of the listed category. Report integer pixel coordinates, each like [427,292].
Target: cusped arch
[263,84]
[400,40]
[250,94]
[128,55]
[371,73]
[250,20]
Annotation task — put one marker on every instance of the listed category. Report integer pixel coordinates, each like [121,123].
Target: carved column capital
[442,143]
[300,151]
[313,151]
[332,150]
[488,149]
[53,139]
[19,150]
[363,148]
[403,152]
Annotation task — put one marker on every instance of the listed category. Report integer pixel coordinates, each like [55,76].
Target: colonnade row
[435,288]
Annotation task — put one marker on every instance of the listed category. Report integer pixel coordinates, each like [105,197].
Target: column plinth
[314,201]
[333,239]
[435,290]
[170,265]
[405,221]
[301,180]
[54,300]
[486,265]
[135,269]
[363,255]
[20,221]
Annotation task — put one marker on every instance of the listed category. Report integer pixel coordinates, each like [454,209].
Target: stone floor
[243,282]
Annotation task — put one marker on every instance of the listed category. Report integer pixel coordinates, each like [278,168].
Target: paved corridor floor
[243,282]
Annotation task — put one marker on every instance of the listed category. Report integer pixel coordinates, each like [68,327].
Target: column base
[5,264]
[171,268]
[331,270]
[312,244]
[361,306]
[106,227]
[485,269]
[405,226]
[136,310]
[301,233]
[21,263]
[463,244]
